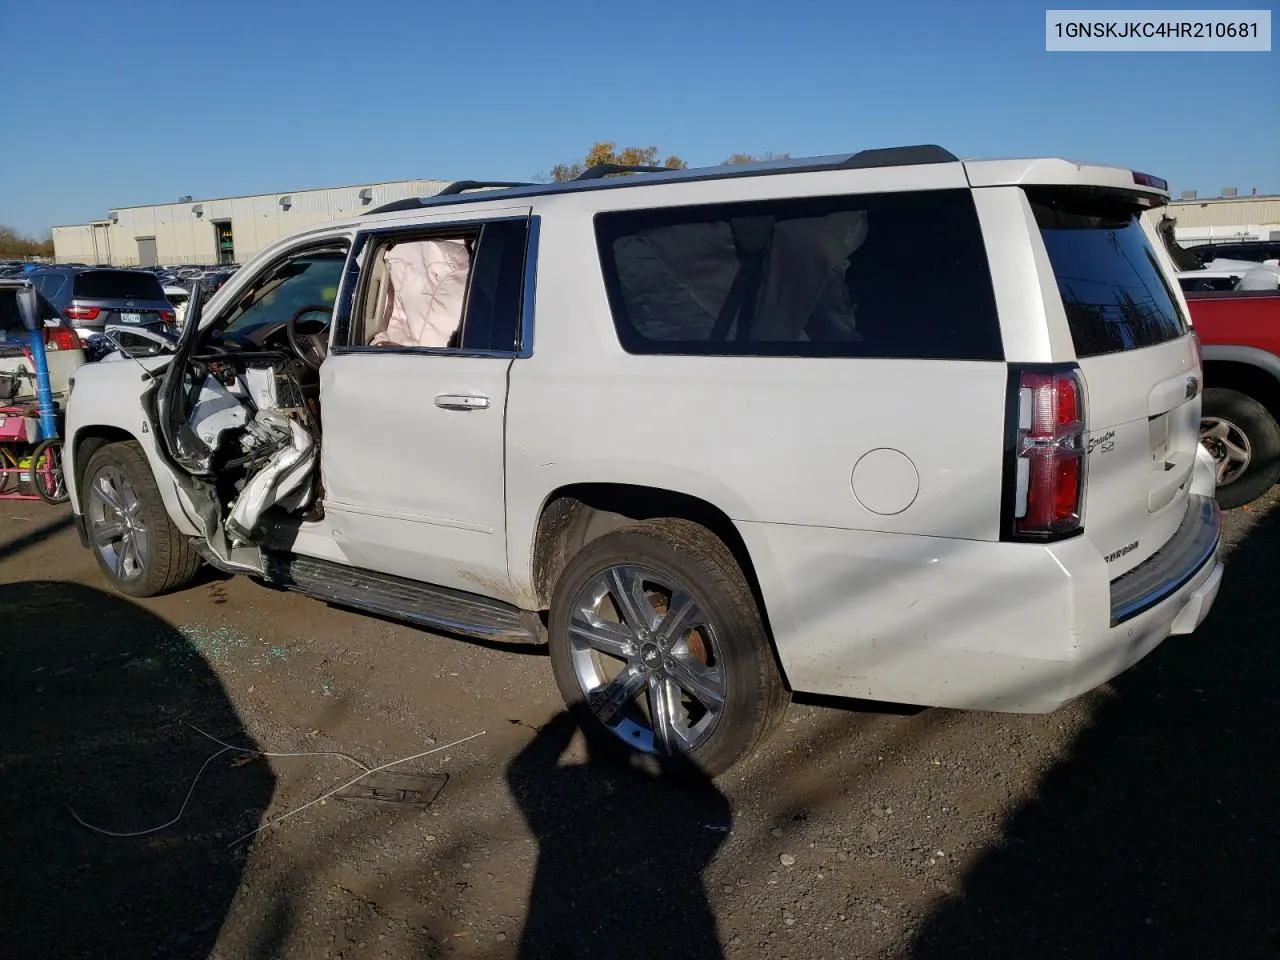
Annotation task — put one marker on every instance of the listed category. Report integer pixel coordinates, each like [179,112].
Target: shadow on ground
[97,697]
[1158,837]
[620,856]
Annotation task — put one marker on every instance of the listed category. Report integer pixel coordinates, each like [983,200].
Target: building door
[226,245]
[147,256]
[102,243]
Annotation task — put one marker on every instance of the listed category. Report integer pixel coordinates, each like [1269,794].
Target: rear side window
[116,285]
[1115,295]
[50,285]
[884,275]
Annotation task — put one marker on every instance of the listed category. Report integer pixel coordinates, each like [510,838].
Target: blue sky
[112,104]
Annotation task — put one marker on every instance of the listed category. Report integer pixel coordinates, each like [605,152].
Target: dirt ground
[1139,821]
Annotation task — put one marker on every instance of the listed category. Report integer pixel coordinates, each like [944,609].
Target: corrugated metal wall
[184,236]
[1226,212]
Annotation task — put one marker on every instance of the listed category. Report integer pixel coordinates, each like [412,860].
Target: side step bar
[437,608]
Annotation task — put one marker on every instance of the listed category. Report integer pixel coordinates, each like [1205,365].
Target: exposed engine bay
[251,413]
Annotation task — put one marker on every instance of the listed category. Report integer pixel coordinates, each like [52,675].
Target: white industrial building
[1223,218]
[223,230]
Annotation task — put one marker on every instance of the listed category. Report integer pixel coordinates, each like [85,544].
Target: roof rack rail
[411,203]
[608,169]
[452,190]
[899,156]
[463,185]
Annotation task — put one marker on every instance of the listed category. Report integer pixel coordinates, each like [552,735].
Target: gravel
[1135,822]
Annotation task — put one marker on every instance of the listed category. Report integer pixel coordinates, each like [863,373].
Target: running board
[437,608]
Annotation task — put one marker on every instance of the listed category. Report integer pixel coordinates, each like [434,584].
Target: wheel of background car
[134,542]
[310,346]
[1244,439]
[657,642]
[46,472]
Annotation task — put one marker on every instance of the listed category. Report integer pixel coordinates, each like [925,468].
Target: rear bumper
[1017,628]
[1172,566]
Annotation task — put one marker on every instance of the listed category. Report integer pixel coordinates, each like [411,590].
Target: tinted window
[1207,284]
[887,275]
[497,279]
[50,285]
[1248,251]
[117,285]
[1114,292]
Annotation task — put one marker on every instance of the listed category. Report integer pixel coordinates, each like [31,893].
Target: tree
[736,158]
[15,245]
[608,152]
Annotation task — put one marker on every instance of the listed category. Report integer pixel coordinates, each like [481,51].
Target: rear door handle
[458,401]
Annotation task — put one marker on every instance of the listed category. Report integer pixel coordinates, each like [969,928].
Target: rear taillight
[1046,483]
[82,313]
[60,338]
[168,316]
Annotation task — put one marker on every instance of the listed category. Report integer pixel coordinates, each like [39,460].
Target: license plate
[130,318]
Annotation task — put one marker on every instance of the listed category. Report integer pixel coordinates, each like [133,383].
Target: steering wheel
[309,341]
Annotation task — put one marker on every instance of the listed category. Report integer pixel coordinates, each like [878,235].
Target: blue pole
[44,393]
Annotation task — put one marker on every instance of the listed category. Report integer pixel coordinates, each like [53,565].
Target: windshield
[304,282]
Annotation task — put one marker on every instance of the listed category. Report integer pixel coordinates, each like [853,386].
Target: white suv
[889,426]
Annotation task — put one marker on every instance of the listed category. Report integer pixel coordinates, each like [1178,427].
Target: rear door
[1139,362]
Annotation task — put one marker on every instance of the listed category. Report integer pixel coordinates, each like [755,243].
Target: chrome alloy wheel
[647,660]
[116,525]
[1228,445]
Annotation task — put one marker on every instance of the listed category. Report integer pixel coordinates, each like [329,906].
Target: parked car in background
[178,296]
[63,351]
[1227,275]
[1257,251]
[92,298]
[1240,421]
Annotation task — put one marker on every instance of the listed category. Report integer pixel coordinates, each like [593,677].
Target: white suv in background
[888,425]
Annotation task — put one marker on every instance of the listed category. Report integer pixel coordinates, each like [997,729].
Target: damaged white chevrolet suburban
[890,425]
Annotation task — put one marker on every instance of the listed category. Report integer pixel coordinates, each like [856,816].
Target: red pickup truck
[1240,336]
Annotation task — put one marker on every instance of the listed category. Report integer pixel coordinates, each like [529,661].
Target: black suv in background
[91,298]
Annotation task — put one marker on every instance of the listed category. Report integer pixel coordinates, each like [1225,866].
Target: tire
[721,650]
[50,487]
[162,559]
[1244,439]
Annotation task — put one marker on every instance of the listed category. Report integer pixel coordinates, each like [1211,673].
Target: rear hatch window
[117,285]
[1113,290]
[1139,366]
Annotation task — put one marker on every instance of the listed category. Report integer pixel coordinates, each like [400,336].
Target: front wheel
[656,640]
[135,543]
[1244,440]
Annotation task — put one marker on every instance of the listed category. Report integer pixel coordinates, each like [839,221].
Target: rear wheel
[657,641]
[1244,439]
[135,543]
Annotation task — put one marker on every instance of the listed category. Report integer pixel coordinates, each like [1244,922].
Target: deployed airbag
[428,290]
